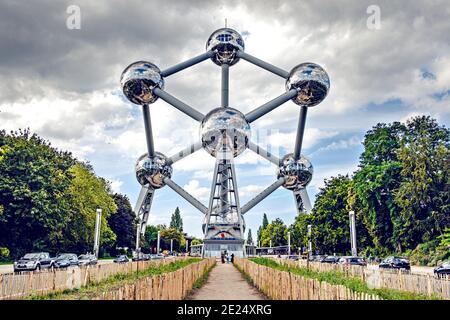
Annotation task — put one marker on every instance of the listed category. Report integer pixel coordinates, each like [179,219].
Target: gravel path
[225,282]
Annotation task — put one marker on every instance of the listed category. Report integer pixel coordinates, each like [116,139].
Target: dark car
[34,261]
[331,259]
[87,259]
[353,261]
[121,259]
[292,257]
[443,269]
[395,263]
[66,260]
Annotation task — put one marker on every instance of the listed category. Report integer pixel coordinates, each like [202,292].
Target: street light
[289,243]
[158,242]
[98,221]
[353,233]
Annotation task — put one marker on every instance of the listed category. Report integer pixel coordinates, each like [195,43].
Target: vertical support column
[158,242]
[148,130]
[225,86]
[289,243]
[353,233]
[309,241]
[171,245]
[300,131]
[98,222]
[187,246]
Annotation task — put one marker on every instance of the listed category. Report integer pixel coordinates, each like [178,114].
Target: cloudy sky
[64,83]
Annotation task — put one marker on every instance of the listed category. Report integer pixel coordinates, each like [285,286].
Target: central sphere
[225,130]
[138,81]
[225,43]
[152,171]
[298,173]
[312,83]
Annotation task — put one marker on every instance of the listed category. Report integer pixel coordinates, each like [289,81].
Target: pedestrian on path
[232,258]
[222,257]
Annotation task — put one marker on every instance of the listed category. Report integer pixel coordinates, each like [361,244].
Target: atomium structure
[224,133]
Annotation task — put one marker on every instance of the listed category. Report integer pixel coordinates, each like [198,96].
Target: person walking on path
[232,258]
[222,257]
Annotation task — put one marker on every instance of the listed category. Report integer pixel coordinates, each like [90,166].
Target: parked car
[318,258]
[87,259]
[353,261]
[121,259]
[292,257]
[443,269]
[395,263]
[141,257]
[66,260]
[331,259]
[34,261]
[157,256]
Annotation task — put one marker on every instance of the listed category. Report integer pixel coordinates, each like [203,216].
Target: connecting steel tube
[260,197]
[262,64]
[264,153]
[186,64]
[197,204]
[225,87]
[300,132]
[184,153]
[269,106]
[148,130]
[183,107]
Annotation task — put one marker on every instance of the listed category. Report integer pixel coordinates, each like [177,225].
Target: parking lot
[8,268]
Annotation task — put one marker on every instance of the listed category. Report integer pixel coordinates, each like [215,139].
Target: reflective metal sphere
[152,171]
[225,43]
[138,81]
[312,83]
[298,173]
[225,130]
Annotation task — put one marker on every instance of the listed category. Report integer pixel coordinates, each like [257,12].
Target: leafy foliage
[275,233]
[176,222]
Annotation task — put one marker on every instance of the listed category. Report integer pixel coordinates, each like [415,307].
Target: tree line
[48,202]
[400,194]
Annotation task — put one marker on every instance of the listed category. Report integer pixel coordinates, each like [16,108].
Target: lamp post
[353,233]
[289,243]
[158,242]
[98,221]
[171,245]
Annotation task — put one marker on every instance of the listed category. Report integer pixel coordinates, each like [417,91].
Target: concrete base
[214,248]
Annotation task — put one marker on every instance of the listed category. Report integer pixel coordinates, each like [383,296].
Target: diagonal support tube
[264,153]
[225,79]
[186,64]
[148,130]
[183,107]
[274,186]
[269,106]
[262,64]
[185,152]
[300,131]
[197,204]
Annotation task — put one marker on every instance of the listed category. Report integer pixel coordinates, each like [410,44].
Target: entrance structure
[224,134]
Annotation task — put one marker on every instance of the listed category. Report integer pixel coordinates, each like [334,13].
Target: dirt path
[225,282]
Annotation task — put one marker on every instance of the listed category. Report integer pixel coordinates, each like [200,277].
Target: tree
[265,223]
[171,234]
[249,237]
[299,231]
[123,222]
[176,221]
[275,232]
[88,193]
[330,219]
[424,193]
[34,181]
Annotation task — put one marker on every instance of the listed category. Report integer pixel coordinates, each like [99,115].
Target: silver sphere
[152,171]
[298,173]
[225,43]
[138,81]
[225,130]
[312,83]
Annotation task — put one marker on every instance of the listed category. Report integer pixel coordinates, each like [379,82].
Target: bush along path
[302,283]
[225,282]
[171,281]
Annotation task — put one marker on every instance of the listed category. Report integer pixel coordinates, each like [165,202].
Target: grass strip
[113,282]
[339,278]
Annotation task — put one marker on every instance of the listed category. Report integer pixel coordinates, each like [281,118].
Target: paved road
[8,268]
[225,282]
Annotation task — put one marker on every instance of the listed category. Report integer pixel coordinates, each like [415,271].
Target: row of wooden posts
[17,286]
[427,285]
[283,285]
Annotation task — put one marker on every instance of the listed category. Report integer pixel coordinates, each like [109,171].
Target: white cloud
[194,188]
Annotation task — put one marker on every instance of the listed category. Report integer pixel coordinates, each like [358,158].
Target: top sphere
[225,43]
[152,171]
[298,173]
[138,81]
[224,131]
[312,83]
